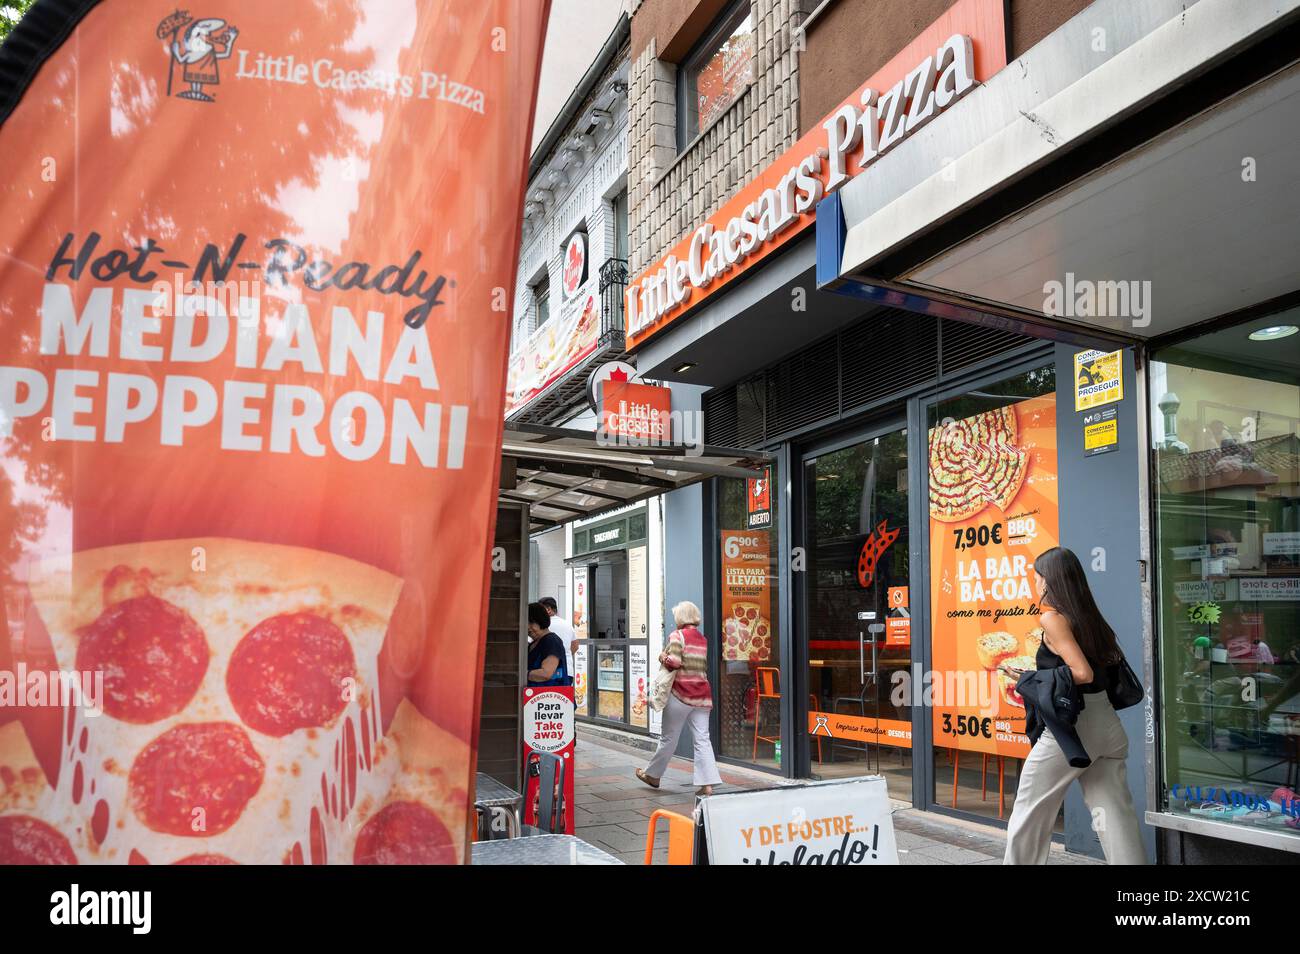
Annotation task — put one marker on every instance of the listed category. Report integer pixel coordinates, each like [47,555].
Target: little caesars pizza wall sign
[918,84]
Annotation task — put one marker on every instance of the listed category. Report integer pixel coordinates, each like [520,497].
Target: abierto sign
[824,823]
[963,47]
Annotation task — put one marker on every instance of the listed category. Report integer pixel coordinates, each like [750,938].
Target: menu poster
[993,508]
[580,684]
[636,593]
[746,596]
[638,679]
[578,577]
[251,407]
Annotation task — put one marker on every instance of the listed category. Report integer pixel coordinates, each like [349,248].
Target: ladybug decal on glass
[872,549]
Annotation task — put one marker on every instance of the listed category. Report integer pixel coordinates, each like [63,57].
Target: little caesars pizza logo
[197,45]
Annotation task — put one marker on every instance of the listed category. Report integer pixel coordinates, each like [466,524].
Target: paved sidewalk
[613,808]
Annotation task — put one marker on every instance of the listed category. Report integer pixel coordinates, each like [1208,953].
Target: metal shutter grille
[719,407]
[803,389]
[886,352]
[751,412]
[965,344]
[894,350]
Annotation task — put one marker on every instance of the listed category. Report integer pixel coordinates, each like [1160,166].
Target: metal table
[539,850]
[492,796]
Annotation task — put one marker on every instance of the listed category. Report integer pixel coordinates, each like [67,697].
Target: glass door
[857,611]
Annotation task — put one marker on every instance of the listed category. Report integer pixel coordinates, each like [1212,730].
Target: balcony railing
[613,279]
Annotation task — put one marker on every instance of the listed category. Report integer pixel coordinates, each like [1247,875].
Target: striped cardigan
[688,655]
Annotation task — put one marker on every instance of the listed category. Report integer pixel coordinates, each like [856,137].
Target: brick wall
[669,194]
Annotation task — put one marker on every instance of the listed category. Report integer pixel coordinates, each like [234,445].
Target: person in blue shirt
[546,661]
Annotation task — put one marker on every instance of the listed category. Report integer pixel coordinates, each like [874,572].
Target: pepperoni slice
[404,833]
[152,654]
[288,673]
[205,860]
[25,840]
[195,779]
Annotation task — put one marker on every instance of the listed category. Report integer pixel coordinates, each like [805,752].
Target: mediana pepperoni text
[253,410]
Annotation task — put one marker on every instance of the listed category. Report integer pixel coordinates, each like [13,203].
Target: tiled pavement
[612,812]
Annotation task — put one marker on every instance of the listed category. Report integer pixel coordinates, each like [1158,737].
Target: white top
[560,627]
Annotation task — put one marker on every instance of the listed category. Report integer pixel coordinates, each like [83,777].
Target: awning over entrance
[1116,194]
[566,475]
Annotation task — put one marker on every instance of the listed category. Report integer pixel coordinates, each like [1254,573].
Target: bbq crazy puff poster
[993,509]
[251,389]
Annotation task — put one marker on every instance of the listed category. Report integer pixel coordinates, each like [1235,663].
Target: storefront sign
[575,265]
[636,414]
[1100,432]
[825,823]
[746,595]
[1098,378]
[993,508]
[964,46]
[548,727]
[555,348]
[1269,588]
[251,393]
[758,500]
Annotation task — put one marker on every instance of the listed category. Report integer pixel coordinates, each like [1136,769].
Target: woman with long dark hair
[1077,636]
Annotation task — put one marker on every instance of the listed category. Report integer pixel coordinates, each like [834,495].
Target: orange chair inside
[681,838]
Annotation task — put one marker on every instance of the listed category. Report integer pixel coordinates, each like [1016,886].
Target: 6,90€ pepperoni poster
[251,391]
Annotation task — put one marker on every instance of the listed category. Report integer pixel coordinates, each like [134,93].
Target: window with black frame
[716,72]
[542,300]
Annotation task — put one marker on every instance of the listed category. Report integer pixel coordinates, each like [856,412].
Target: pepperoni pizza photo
[233,672]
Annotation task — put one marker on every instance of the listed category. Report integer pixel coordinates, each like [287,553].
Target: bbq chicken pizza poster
[251,390]
[993,509]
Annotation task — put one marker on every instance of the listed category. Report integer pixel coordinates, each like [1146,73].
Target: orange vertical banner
[993,508]
[251,404]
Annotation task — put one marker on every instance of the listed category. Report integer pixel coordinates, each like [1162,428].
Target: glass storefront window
[714,76]
[747,646]
[1225,434]
[992,476]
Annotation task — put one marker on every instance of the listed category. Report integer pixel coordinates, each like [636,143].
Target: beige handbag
[663,684]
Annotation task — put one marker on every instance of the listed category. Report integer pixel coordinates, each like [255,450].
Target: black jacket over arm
[1053,702]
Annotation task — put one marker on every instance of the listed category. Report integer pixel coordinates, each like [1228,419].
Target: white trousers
[676,715]
[1046,776]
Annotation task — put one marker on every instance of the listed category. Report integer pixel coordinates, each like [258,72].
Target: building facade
[982,282]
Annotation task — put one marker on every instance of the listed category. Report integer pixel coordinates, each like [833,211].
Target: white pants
[676,715]
[1046,776]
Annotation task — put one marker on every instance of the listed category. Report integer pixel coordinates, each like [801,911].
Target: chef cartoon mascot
[204,43]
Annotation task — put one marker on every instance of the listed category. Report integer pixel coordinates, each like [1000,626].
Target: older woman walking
[691,700]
